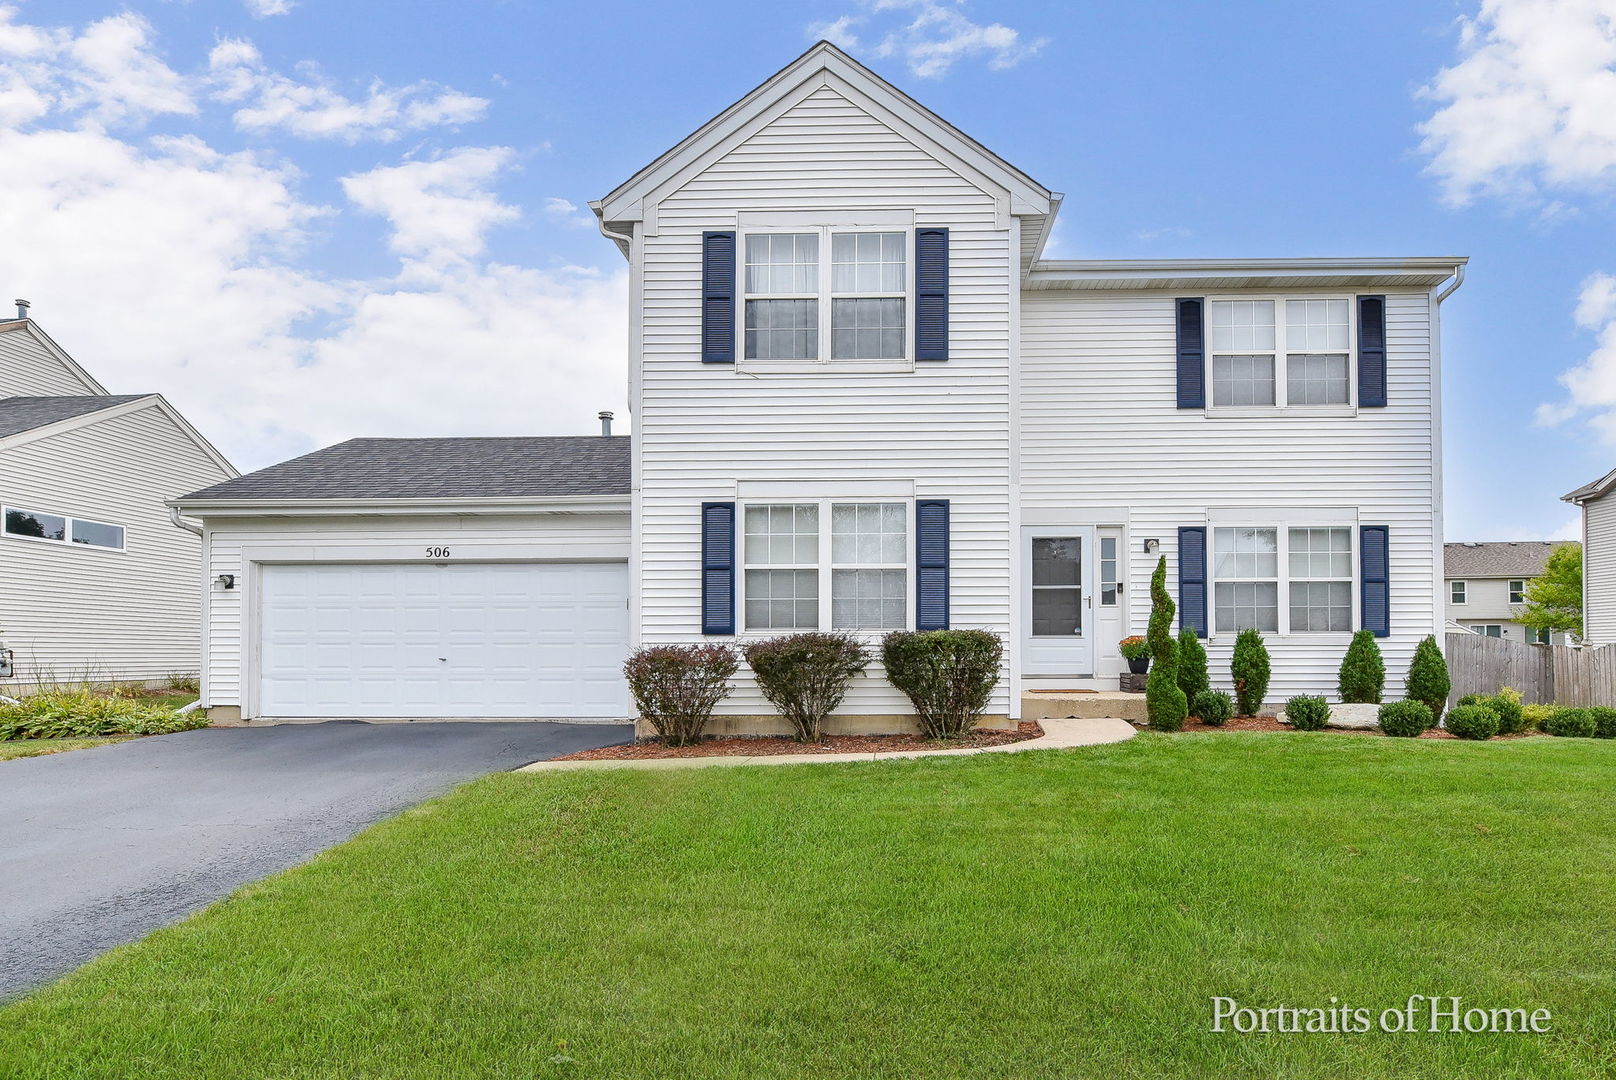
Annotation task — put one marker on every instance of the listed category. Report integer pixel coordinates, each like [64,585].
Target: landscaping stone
[1361,717]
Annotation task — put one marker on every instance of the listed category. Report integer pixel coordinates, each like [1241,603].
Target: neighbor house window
[1456,591]
[1517,592]
[1539,637]
[60,528]
[1487,629]
[1261,355]
[801,305]
[792,550]
[1296,580]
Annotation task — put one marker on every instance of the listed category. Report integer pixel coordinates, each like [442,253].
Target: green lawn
[1044,914]
[21,748]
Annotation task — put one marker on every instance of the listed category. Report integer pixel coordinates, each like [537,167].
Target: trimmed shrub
[1192,673]
[1604,722]
[1165,703]
[1405,719]
[806,676]
[1533,717]
[677,687]
[1251,670]
[1307,713]
[83,713]
[1362,678]
[1507,704]
[1428,680]
[1214,707]
[1472,722]
[948,675]
[1572,724]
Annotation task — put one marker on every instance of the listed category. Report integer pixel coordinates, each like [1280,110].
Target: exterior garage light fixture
[226,581]
[1151,545]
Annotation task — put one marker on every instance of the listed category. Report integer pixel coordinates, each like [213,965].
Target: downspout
[1453,287]
[181,523]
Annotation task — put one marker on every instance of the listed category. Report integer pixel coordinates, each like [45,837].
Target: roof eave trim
[502,504]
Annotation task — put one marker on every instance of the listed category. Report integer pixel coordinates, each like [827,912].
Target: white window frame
[826,567]
[826,230]
[1480,629]
[1514,592]
[1281,403]
[1282,524]
[71,520]
[1539,637]
[1461,597]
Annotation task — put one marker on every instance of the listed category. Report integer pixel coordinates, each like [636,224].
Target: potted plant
[1135,650]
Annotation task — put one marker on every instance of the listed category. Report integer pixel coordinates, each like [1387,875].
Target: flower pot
[1139,666]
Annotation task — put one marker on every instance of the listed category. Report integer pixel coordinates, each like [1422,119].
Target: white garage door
[455,639]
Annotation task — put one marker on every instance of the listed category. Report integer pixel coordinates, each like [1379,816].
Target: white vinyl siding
[1599,570]
[934,430]
[29,368]
[1102,440]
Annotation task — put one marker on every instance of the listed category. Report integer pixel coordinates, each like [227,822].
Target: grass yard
[21,748]
[1045,914]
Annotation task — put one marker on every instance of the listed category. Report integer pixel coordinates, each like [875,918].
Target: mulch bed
[761,745]
[1269,723]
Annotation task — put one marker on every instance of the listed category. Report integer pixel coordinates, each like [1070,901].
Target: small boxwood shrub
[1472,722]
[948,675]
[1251,669]
[1604,722]
[1362,677]
[1214,707]
[1307,713]
[1428,679]
[677,687]
[1405,719]
[1193,678]
[1572,724]
[806,676]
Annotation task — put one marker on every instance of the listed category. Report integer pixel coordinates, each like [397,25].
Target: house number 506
[437,553]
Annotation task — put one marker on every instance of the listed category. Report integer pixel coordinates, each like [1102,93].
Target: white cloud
[931,36]
[108,74]
[1591,385]
[1531,104]
[566,213]
[441,210]
[270,101]
[263,9]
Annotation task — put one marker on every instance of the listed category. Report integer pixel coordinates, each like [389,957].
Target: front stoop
[1055,704]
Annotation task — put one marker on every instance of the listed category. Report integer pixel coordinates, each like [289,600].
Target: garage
[444,639]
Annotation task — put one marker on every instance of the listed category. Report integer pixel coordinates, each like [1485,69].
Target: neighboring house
[1598,558]
[97,582]
[1486,587]
[863,400]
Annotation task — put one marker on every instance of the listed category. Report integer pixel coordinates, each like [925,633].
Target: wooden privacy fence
[1544,674]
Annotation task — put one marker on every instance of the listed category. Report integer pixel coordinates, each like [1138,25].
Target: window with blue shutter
[931,564]
[1371,352]
[718,568]
[718,297]
[1374,559]
[931,294]
[1192,579]
[1191,352]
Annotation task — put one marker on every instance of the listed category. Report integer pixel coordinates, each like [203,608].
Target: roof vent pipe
[605,423]
[22,308]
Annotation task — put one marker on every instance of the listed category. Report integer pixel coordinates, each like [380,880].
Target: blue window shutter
[1374,559]
[931,564]
[718,568]
[1191,323]
[1192,579]
[718,297]
[1371,352]
[931,294]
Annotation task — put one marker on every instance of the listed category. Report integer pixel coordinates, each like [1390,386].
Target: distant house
[1485,587]
[1598,558]
[96,581]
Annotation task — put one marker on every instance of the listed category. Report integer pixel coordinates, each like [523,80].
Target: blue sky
[310,220]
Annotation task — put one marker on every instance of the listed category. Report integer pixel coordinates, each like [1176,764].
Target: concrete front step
[1051,704]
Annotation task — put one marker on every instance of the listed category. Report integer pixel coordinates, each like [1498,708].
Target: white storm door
[1058,624]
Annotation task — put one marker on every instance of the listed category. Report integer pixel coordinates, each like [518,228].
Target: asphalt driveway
[99,847]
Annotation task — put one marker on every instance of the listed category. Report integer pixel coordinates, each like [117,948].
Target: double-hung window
[1458,591]
[791,552]
[1282,580]
[62,529]
[827,294]
[1517,591]
[1271,352]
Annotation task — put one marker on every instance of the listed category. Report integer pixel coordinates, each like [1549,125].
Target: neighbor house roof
[1508,559]
[19,414]
[536,467]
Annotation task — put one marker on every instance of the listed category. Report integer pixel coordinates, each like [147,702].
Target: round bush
[1507,704]
[1214,707]
[1473,722]
[1604,722]
[1533,717]
[1572,724]
[1307,713]
[1405,719]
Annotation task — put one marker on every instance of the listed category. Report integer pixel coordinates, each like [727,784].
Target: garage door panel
[457,639]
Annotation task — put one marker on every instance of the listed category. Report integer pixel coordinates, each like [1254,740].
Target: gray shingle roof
[535,467]
[1510,559]
[19,414]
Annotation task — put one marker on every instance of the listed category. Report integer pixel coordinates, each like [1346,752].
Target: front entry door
[1058,626]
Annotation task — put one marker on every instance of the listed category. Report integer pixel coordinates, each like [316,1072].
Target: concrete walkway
[1058,735]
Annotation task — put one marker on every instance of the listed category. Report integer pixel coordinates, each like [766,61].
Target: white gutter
[622,240]
[1458,280]
[181,523]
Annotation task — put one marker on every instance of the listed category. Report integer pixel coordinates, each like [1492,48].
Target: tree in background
[1554,598]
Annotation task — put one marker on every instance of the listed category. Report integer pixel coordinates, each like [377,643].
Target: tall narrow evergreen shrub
[1165,703]
[1428,679]
[1192,675]
[1362,678]
[1251,670]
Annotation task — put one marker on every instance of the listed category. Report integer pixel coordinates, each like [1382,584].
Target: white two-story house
[863,400]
